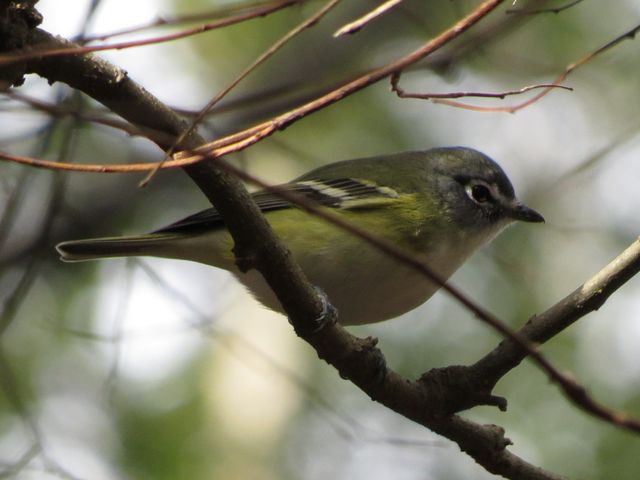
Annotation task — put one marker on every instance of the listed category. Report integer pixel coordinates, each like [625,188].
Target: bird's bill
[525,214]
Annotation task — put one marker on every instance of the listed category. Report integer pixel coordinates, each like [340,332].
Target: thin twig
[629,35]
[356,25]
[162,21]
[522,11]
[501,95]
[60,110]
[312,20]
[76,50]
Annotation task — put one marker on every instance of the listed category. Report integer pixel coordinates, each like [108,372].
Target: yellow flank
[312,238]
[399,219]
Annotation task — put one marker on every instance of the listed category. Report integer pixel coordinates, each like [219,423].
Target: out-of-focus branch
[21,288]
[57,110]
[524,11]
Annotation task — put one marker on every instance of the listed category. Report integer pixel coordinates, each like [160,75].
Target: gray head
[475,190]
[466,188]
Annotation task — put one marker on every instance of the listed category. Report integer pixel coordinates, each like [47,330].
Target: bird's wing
[345,193]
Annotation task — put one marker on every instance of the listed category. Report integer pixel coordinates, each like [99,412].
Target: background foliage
[156,369]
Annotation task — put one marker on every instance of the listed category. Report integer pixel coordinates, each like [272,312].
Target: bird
[440,205]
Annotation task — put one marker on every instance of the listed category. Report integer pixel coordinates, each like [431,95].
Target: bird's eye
[480,193]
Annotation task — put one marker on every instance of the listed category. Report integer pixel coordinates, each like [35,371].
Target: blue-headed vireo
[440,204]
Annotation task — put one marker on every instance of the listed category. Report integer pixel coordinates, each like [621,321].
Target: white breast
[375,288]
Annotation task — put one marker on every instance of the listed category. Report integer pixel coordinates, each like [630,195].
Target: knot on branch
[493,445]
[17,21]
[17,16]
[327,316]
[452,389]
[375,371]
[356,359]
[245,258]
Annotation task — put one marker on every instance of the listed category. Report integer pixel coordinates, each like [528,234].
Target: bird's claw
[328,315]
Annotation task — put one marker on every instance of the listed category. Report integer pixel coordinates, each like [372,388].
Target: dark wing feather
[335,193]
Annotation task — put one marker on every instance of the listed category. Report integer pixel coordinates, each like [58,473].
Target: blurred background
[160,369]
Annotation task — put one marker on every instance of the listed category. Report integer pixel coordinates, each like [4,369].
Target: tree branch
[628,35]
[590,296]
[587,298]
[355,25]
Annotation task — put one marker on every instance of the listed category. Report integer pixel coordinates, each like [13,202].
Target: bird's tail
[95,248]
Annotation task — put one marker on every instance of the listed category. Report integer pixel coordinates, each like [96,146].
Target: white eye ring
[480,193]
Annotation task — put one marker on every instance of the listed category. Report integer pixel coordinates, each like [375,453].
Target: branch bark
[587,298]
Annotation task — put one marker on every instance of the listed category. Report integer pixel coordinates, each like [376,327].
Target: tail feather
[95,248]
